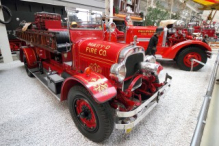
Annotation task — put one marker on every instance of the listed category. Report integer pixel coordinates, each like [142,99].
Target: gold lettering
[95,51]
[102,52]
[107,47]
[92,49]
[87,48]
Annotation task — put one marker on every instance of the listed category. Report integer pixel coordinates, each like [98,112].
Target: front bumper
[133,117]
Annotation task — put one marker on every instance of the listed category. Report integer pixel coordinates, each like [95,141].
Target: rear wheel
[93,120]
[184,58]
[26,67]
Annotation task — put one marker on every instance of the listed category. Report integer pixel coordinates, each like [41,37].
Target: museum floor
[31,115]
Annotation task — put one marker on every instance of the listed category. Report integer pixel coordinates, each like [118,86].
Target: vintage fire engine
[107,84]
[204,27]
[174,43]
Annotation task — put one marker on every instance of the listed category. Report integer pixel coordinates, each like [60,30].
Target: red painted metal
[171,52]
[52,24]
[30,56]
[99,86]
[192,55]
[43,18]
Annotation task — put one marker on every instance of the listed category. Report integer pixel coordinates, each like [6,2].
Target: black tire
[180,60]
[26,67]
[104,115]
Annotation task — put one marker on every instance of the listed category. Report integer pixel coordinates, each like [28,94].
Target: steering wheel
[8,11]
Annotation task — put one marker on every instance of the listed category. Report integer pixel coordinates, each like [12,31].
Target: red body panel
[103,50]
[170,52]
[98,55]
[52,24]
[98,86]
[30,56]
[143,33]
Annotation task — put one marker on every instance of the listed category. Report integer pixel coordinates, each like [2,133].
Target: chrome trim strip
[130,48]
[164,37]
[143,39]
[133,124]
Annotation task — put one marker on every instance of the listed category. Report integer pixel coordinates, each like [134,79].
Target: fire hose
[8,11]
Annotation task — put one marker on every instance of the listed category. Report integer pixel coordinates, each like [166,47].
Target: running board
[43,79]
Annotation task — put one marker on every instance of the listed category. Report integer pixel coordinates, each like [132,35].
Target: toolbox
[55,83]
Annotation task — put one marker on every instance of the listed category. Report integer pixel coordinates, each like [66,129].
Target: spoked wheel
[93,120]
[184,59]
[192,55]
[85,114]
[26,67]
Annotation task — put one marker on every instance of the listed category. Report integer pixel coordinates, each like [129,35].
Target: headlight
[122,73]
[118,72]
[111,26]
[147,67]
[150,58]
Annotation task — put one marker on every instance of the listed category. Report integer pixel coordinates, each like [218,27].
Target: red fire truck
[107,84]
[175,42]
[203,28]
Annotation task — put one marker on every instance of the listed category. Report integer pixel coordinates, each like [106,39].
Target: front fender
[99,87]
[171,52]
[30,56]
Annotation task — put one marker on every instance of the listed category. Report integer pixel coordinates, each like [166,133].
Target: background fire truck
[176,42]
[204,28]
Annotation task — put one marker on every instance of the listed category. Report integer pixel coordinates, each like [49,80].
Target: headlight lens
[118,72]
[150,58]
[147,67]
[122,73]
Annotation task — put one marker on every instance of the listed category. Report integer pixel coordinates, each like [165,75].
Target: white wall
[4,44]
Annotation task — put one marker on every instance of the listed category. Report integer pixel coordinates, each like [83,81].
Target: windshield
[84,20]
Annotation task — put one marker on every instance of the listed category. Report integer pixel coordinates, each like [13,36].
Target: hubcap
[85,114]
[188,59]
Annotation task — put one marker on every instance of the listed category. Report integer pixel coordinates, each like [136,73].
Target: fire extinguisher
[8,11]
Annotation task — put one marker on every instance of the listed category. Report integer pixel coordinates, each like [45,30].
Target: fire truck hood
[98,49]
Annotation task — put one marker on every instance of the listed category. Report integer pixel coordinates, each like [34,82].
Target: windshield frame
[74,11]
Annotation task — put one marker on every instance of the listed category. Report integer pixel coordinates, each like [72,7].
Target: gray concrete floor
[30,115]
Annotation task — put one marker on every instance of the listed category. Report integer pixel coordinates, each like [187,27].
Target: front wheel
[184,59]
[93,120]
